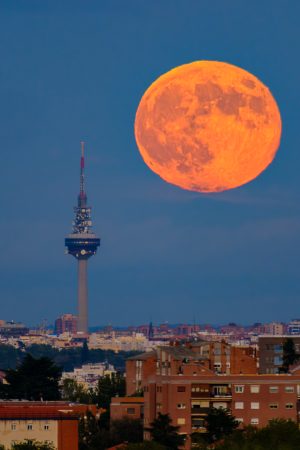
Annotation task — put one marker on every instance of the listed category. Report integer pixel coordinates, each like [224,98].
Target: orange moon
[208,126]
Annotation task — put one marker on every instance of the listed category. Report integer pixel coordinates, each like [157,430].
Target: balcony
[200,410]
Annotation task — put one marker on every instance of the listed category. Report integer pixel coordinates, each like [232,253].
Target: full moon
[208,126]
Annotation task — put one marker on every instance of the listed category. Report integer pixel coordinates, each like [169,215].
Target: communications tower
[82,243]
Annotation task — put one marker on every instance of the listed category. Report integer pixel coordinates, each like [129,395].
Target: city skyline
[74,72]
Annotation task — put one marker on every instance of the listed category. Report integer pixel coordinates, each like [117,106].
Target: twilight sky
[73,70]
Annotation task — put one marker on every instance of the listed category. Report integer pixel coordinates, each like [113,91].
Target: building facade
[67,323]
[252,399]
[187,381]
[53,422]
[270,349]
[131,407]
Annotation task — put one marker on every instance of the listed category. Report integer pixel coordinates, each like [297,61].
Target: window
[181,421]
[289,405]
[46,427]
[13,426]
[254,405]
[220,390]
[273,405]
[180,388]
[289,389]
[181,406]
[254,389]
[254,421]
[130,410]
[220,405]
[239,405]
[239,389]
[278,348]
[29,426]
[158,405]
[240,420]
[273,389]
[278,360]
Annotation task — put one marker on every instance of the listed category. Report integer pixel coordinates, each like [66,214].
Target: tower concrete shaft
[82,296]
[82,243]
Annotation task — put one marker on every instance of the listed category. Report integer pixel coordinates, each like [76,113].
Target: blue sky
[73,70]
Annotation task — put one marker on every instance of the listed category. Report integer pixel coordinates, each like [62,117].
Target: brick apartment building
[67,323]
[132,407]
[252,399]
[270,349]
[51,422]
[186,381]
[217,356]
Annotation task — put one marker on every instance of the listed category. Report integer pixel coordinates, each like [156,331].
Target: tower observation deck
[82,243]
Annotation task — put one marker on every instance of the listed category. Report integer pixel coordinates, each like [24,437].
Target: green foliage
[280,434]
[9,357]
[219,423]
[146,445]
[289,355]
[65,358]
[110,386]
[92,435]
[126,430]
[84,353]
[34,379]
[32,445]
[76,392]
[89,427]
[166,434]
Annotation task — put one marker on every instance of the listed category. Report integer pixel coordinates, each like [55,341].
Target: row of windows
[29,426]
[256,405]
[254,389]
[239,389]
[253,421]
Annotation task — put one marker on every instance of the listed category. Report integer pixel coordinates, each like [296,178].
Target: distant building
[294,327]
[89,374]
[274,328]
[53,422]
[12,329]
[270,350]
[67,323]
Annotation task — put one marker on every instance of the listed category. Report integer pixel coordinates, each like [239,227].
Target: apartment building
[219,357]
[252,399]
[53,422]
[131,407]
[186,381]
[270,350]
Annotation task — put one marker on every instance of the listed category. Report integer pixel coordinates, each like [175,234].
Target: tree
[166,434]
[280,434]
[32,445]
[146,445]
[76,392]
[84,353]
[108,387]
[289,355]
[34,379]
[219,423]
[91,435]
[126,430]
[9,356]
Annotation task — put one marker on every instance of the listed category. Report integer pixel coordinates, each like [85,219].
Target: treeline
[67,359]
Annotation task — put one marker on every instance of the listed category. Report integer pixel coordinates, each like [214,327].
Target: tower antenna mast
[82,243]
